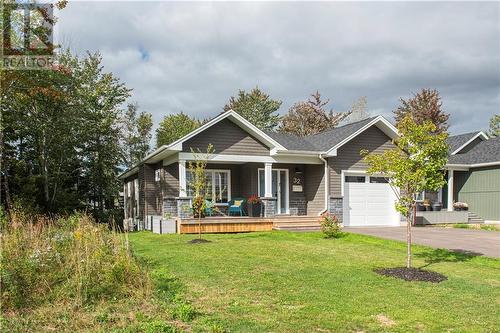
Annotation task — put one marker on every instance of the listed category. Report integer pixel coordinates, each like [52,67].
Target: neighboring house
[292,175]
[474,174]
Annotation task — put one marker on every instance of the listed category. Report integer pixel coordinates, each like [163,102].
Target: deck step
[474,218]
[298,228]
[296,224]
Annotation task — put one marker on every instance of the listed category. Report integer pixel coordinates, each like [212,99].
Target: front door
[279,188]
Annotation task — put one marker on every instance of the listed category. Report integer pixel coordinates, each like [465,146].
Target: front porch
[246,224]
[280,188]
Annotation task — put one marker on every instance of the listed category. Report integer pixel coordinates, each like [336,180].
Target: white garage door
[368,201]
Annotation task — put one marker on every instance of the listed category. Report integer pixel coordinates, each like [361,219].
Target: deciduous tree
[136,134]
[311,117]
[494,126]
[415,165]
[424,106]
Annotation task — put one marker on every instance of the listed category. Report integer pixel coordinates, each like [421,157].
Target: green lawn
[301,282]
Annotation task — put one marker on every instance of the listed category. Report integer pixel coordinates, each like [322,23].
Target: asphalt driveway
[478,241]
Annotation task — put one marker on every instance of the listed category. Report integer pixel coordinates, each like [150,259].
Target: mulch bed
[199,241]
[412,274]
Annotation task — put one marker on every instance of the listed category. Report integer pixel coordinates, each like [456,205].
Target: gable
[227,138]
[470,145]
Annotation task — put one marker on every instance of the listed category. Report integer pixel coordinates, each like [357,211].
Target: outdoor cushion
[238,203]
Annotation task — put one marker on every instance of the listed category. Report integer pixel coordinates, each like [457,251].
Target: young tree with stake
[198,182]
[415,165]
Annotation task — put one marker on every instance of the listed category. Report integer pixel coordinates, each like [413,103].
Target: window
[355,179]
[218,185]
[157,175]
[381,180]
[129,189]
[420,196]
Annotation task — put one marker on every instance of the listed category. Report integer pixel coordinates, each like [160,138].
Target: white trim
[268,180]
[479,134]
[213,171]
[287,191]
[326,177]
[176,146]
[256,130]
[450,190]
[275,151]
[387,128]
[182,179]
[170,159]
[465,167]
[255,159]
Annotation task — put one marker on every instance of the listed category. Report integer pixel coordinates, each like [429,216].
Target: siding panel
[314,188]
[227,138]
[480,189]
[348,156]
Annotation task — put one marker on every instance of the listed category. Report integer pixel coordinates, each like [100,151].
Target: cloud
[194,56]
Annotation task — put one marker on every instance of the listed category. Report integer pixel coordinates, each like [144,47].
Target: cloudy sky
[192,57]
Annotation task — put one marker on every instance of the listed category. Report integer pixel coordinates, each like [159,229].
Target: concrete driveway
[478,241]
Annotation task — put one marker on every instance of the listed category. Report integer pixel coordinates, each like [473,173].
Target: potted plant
[460,206]
[253,204]
[199,206]
[437,206]
[427,204]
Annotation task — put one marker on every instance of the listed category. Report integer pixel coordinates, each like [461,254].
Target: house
[473,173]
[293,176]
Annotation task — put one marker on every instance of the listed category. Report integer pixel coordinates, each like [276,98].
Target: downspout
[327,184]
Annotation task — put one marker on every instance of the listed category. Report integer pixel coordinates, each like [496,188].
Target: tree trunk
[408,238]
[45,171]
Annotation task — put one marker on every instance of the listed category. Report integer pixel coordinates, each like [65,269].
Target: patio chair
[209,208]
[236,206]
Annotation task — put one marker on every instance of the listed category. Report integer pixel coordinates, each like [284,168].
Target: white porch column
[450,190]
[268,183]
[182,179]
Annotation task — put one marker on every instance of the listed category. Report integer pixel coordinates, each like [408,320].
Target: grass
[301,282]
[73,275]
[487,227]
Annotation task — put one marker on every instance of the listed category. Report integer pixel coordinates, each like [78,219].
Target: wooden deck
[247,224]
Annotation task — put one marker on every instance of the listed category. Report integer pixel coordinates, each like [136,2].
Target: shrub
[330,225]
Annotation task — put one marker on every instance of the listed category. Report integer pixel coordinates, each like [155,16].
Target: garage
[368,201]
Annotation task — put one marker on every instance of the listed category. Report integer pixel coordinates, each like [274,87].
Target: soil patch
[412,274]
[199,241]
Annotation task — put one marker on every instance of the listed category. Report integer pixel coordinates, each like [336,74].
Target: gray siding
[348,156]
[170,181]
[314,188]
[150,203]
[227,138]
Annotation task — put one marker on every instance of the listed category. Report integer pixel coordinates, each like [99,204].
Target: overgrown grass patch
[302,282]
[73,275]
